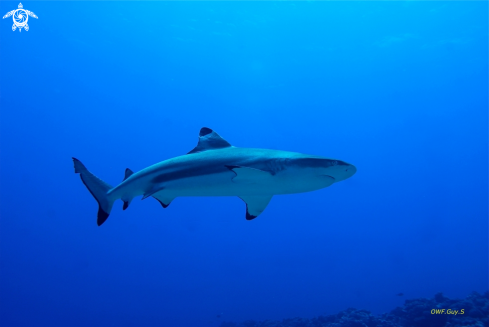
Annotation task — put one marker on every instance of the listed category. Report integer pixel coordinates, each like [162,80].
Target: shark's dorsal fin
[209,140]
[127,173]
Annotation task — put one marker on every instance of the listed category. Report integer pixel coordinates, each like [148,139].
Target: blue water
[399,89]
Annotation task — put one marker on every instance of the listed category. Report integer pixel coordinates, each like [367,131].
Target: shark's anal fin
[209,140]
[255,205]
[247,175]
[163,199]
[127,173]
[125,205]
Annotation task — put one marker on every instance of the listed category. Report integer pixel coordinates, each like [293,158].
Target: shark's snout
[340,170]
[350,170]
[337,169]
[344,171]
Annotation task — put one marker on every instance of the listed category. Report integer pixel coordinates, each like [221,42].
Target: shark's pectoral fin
[163,199]
[255,205]
[248,175]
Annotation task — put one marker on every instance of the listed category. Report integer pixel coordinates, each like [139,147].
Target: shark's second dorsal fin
[209,140]
[127,173]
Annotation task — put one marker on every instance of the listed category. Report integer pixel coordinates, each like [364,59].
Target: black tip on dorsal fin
[204,131]
[127,173]
[209,140]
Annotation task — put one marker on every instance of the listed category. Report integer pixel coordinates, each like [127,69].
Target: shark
[216,168]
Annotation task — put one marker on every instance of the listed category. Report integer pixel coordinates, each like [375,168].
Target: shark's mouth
[329,176]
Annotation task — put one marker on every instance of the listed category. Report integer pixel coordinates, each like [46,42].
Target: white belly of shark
[216,168]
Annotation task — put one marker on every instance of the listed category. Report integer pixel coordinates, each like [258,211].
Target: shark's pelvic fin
[255,205]
[152,191]
[163,199]
[98,188]
[247,175]
[209,140]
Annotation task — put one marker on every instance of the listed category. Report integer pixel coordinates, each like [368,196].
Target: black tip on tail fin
[79,167]
[101,216]
[98,188]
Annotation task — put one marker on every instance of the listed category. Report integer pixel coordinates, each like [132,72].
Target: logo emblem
[20,17]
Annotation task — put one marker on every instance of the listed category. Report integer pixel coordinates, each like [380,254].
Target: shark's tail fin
[99,190]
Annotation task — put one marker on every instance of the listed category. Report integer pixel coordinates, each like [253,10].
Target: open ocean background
[397,88]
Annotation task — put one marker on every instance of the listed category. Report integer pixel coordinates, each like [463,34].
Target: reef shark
[216,168]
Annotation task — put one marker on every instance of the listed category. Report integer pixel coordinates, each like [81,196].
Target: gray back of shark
[216,168]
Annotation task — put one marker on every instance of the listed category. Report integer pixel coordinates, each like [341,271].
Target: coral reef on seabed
[436,312]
